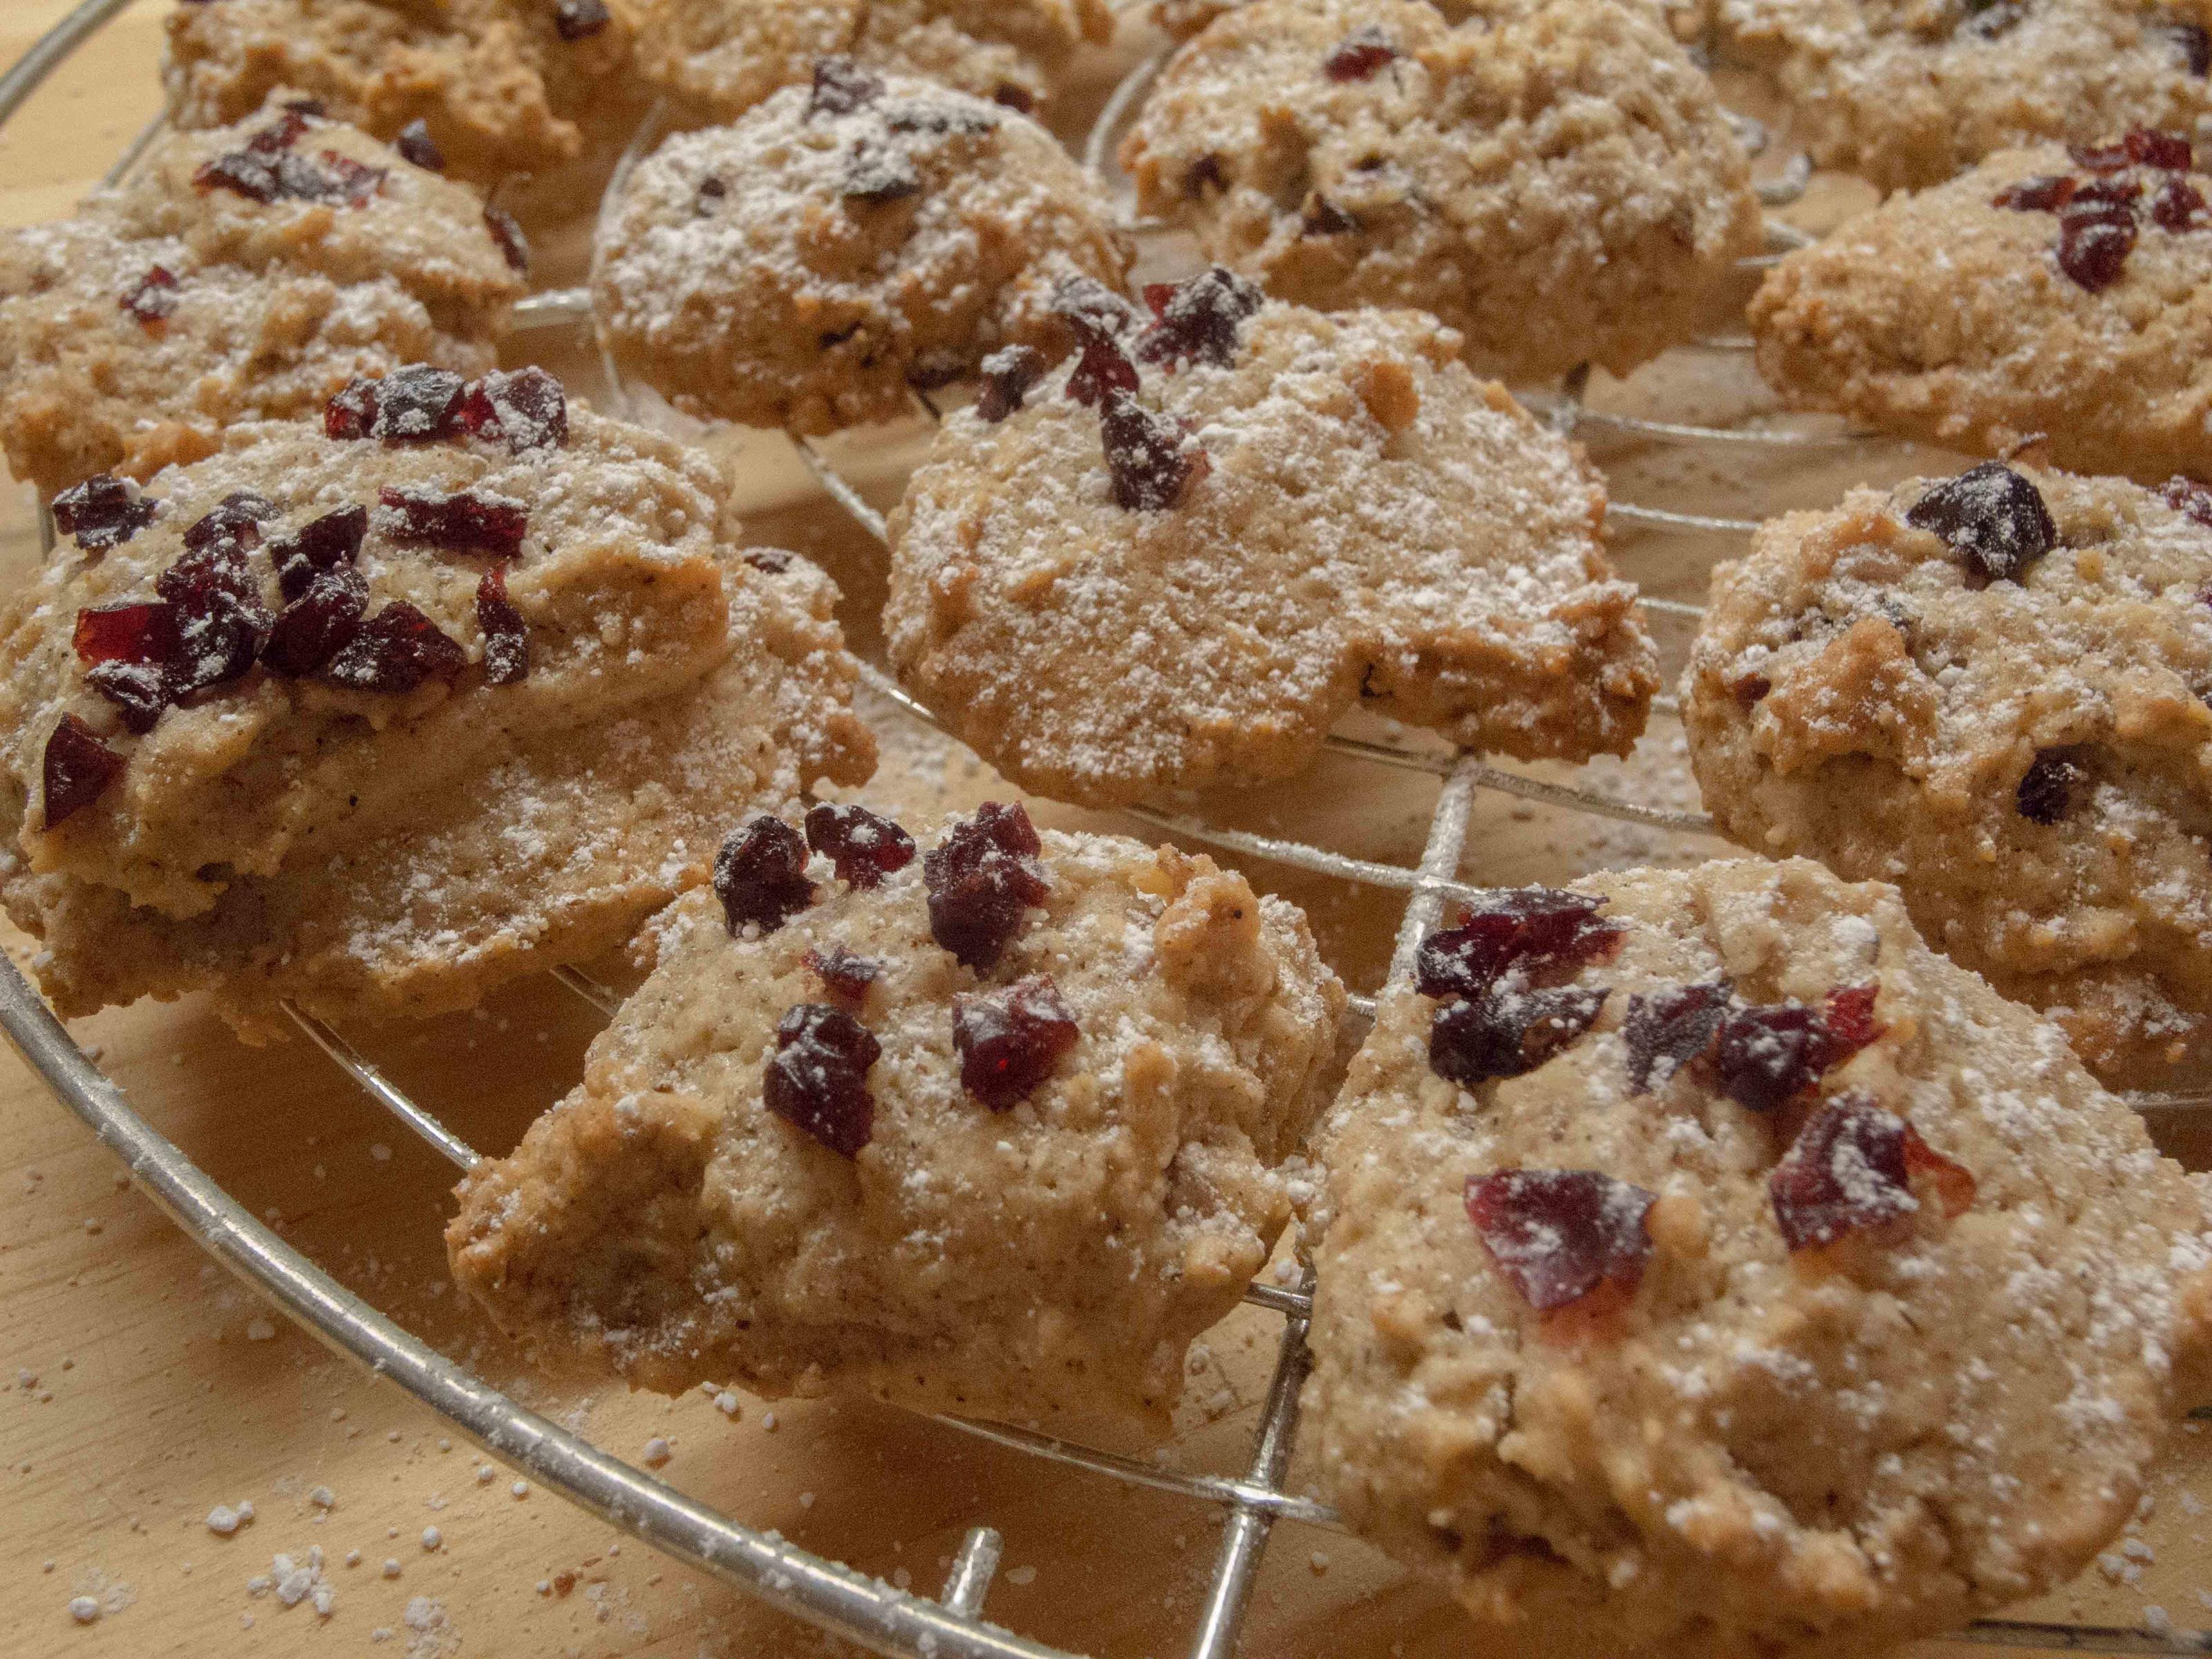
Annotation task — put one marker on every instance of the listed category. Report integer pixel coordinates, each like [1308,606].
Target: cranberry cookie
[1118,581]
[717,59]
[498,87]
[242,274]
[1909,92]
[1559,183]
[1990,689]
[992,1129]
[2064,295]
[1708,1266]
[845,242]
[379,713]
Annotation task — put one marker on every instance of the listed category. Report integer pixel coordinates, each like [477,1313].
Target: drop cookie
[995,1127]
[1989,690]
[1708,1266]
[2046,293]
[717,59]
[1558,183]
[1909,92]
[1181,559]
[378,713]
[846,243]
[242,274]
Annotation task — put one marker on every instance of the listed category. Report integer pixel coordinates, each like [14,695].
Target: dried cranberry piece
[2094,241]
[140,691]
[773,561]
[1360,55]
[155,298]
[2047,788]
[2177,205]
[76,770]
[1557,1235]
[141,633]
[260,177]
[1771,1053]
[101,513]
[1509,1031]
[1198,319]
[2192,42]
[464,522]
[507,639]
[1103,369]
[1533,926]
[2047,193]
[2150,148]
[2117,194]
[1847,1016]
[1990,514]
[1149,457]
[1751,690]
[322,621]
[1092,309]
[1985,20]
[1204,175]
[1667,1030]
[417,404]
[287,130]
[416,145]
[1007,377]
[350,181]
[981,879]
[1850,1170]
[865,847]
[841,86]
[394,652]
[817,1078]
[220,618]
[847,976]
[235,523]
[330,543]
[875,176]
[1007,95]
[351,412]
[760,875]
[507,235]
[2187,495]
[526,409]
[578,19]
[1011,1040]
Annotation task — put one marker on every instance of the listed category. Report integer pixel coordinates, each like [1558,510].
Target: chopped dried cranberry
[2047,788]
[507,235]
[101,513]
[1532,926]
[235,523]
[772,560]
[847,976]
[1204,175]
[577,20]
[817,1078]
[1848,1017]
[76,770]
[350,181]
[526,408]
[1149,457]
[464,522]
[1750,690]
[507,640]
[351,412]
[220,618]
[417,404]
[1768,1053]
[1850,1170]
[1102,368]
[1359,55]
[1007,377]
[287,130]
[760,875]
[217,569]
[1007,95]
[2168,151]
[1667,1030]
[2192,42]
[1990,514]
[2047,193]
[981,879]
[394,652]
[311,631]
[2093,243]
[155,298]
[864,847]
[1324,218]
[2118,195]
[330,543]
[1557,1235]
[1197,319]
[140,632]
[1509,1031]
[416,145]
[1092,309]
[841,86]
[875,175]
[2187,495]
[2177,205]
[1011,1040]
[140,691]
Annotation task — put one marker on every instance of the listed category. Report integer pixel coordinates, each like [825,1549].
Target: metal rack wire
[838,1598]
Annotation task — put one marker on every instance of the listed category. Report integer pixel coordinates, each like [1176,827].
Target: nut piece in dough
[1568,1363]
[842,245]
[1044,1253]
[1559,185]
[2024,755]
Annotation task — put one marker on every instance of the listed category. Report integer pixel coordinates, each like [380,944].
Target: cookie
[1909,92]
[717,59]
[1113,583]
[378,717]
[1708,1266]
[992,1129]
[2044,293]
[239,275]
[1989,690]
[1559,183]
[502,87]
[845,243]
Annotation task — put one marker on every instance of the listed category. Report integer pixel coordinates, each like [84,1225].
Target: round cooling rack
[833,1597]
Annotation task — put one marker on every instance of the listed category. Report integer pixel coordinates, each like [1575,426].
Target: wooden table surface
[140,1387]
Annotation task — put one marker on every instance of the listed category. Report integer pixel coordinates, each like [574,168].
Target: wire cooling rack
[826,1592]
